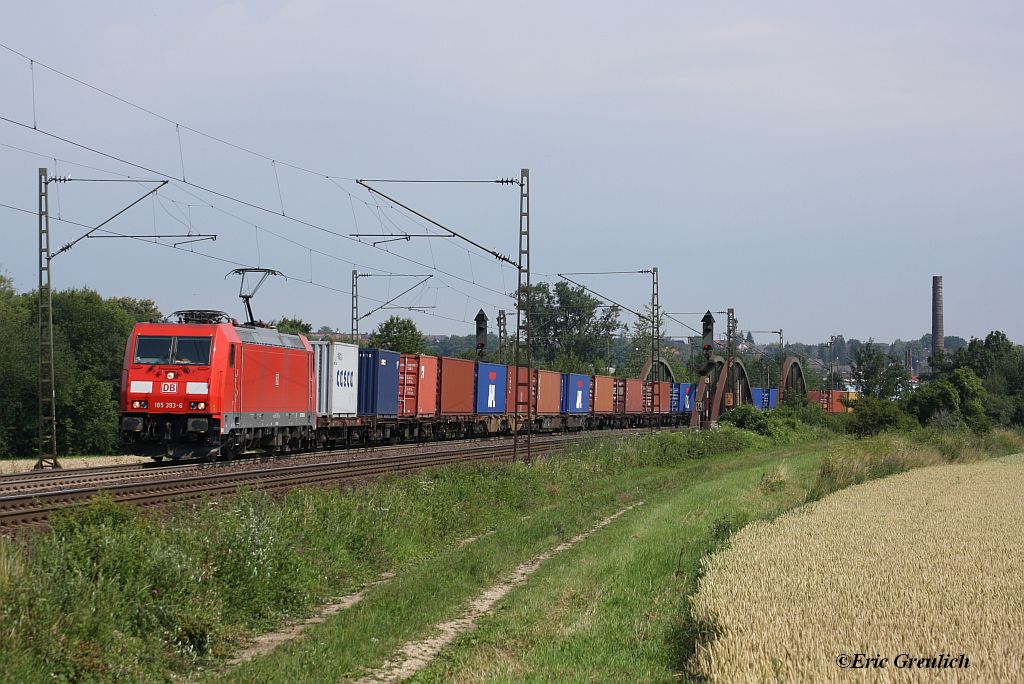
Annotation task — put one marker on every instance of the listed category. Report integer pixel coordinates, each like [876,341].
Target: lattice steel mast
[523,323]
[47,388]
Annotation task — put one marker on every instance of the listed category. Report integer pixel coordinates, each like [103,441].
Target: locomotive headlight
[201,405]
[171,375]
[136,404]
[197,405]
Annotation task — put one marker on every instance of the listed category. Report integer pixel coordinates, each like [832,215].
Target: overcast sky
[810,164]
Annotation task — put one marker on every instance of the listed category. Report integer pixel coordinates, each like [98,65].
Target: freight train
[206,386]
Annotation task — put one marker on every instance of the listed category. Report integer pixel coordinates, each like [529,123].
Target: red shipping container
[634,396]
[457,386]
[603,400]
[417,385]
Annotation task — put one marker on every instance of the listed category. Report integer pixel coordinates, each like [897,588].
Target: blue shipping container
[491,379]
[378,382]
[687,390]
[673,398]
[759,398]
[575,393]
[773,398]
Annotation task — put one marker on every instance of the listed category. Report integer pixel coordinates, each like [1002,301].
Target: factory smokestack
[938,330]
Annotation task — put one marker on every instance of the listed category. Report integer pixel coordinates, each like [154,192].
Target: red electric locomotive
[206,386]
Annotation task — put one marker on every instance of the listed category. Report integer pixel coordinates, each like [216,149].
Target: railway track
[182,484]
[45,481]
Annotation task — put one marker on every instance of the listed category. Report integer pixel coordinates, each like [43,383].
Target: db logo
[169,387]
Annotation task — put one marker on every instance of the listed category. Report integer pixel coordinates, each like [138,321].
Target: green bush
[873,416]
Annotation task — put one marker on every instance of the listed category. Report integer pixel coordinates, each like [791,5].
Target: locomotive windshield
[189,351]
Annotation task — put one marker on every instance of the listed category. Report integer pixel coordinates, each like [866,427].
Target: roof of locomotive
[267,337]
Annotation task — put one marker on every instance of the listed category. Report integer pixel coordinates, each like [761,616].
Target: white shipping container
[337,378]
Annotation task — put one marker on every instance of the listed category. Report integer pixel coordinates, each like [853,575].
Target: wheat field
[921,564]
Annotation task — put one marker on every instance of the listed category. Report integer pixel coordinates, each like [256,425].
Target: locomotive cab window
[153,349]
[193,351]
[187,351]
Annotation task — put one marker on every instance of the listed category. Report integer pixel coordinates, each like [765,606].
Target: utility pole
[47,389]
[730,332]
[355,307]
[655,350]
[523,323]
[47,427]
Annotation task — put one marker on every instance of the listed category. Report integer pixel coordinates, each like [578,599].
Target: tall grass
[853,462]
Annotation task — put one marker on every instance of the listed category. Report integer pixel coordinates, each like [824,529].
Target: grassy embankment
[129,598]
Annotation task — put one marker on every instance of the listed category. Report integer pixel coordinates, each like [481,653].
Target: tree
[400,335]
[95,329]
[957,397]
[569,324]
[934,401]
[639,350]
[294,326]
[141,310]
[89,344]
[878,375]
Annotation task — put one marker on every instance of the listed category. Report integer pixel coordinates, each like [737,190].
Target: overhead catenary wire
[179,126]
[175,182]
[154,241]
[32,62]
[175,203]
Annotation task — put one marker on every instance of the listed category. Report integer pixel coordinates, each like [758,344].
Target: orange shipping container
[549,393]
[620,395]
[634,396]
[546,384]
[603,400]
[417,385]
[664,396]
[457,386]
[510,390]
